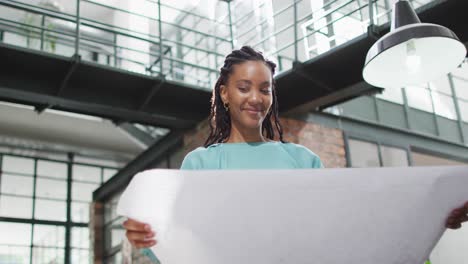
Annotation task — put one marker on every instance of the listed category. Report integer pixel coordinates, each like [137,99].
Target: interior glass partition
[44,208]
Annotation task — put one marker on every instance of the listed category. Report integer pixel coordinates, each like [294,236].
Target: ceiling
[59,128]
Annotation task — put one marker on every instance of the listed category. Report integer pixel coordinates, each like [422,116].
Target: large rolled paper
[326,216]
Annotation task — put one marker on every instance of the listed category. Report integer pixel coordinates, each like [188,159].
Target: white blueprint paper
[324,216]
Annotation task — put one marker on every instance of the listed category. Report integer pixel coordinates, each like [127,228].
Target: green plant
[31,21]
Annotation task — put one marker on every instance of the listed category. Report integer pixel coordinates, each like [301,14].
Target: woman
[243,121]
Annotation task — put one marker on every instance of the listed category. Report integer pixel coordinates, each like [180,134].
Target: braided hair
[220,120]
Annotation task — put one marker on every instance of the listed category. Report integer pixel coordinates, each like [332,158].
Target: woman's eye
[266,91]
[242,89]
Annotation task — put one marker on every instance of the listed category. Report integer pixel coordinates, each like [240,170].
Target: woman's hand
[139,234]
[457,217]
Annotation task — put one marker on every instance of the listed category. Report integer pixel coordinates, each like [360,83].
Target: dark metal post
[115,50]
[69,197]
[406,108]
[33,210]
[371,13]
[434,115]
[161,53]
[295,32]
[42,32]
[230,24]
[457,109]
[77,33]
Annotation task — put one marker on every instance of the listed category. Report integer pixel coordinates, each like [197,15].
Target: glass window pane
[363,154]
[80,212]
[80,256]
[444,105]
[49,236]
[52,169]
[11,206]
[14,254]
[86,173]
[47,255]
[419,98]
[461,88]
[463,110]
[392,95]
[80,237]
[393,157]
[83,191]
[19,185]
[51,210]
[108,173]
[421,159]
[441,85]
[15,234]
[17,164]
[48,188]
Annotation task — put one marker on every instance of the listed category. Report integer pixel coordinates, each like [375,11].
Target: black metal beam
[334,98]
[104,111]
[69,213]
[312,78]
[75,62]
[141,136]
[39,79]
[154,153]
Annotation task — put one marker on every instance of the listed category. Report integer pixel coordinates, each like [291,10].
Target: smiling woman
[248,95]
[244,107]
[244,121]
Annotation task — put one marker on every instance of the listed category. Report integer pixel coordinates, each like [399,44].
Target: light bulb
[413,60]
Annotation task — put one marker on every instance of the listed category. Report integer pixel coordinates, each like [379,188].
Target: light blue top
[258,155]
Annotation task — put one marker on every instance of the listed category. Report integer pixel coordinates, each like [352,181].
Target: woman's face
[248,92]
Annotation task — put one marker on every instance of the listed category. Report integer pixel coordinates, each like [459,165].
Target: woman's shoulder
[202,151]
[198,158]
[296,147]
[303,154]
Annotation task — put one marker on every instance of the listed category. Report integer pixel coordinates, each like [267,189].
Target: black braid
[220,120]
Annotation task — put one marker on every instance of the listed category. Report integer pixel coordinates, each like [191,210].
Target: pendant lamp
[412,52]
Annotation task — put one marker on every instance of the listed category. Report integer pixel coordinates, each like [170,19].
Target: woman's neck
[237,136]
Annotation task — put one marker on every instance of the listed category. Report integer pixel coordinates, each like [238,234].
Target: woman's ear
[223,94]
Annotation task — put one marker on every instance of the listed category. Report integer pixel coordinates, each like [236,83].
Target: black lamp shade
[412,52]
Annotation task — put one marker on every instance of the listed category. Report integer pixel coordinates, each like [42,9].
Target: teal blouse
[258,155]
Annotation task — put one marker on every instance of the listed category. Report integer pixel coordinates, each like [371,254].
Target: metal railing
[324,24]
[104,39]
[160,39]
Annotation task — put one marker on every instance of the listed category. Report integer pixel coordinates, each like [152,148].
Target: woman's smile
[254,112]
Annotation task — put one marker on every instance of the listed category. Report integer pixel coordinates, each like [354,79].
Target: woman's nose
[255,97]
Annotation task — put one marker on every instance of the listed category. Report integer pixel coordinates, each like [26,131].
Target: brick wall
[327,143]
[96,226]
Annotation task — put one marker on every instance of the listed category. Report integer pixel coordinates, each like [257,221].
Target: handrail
[105,37]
